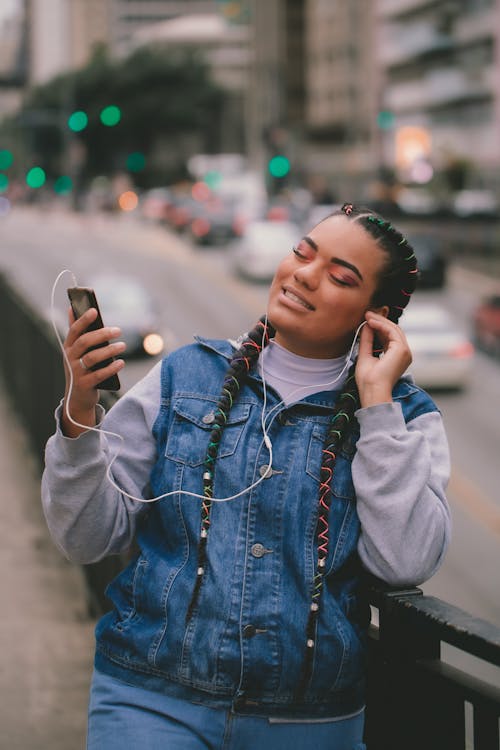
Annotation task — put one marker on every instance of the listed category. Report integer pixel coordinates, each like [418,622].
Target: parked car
[431,261]
[263,246]
[476,203]
[442,352]
[154,204]
[126,303]
[417,201]
[486,325]
[214,222]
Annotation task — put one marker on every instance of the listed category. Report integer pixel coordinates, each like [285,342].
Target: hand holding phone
[83,299]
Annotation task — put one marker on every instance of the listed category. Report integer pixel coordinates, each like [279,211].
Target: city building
[341,93]
[314,90]
[224,46]
[63,34]
[441,93]
[13,56]
[130,16]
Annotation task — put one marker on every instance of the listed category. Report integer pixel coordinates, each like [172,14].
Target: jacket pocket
[193,421]
[126,592]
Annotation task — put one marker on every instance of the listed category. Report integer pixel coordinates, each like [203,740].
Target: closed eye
[302,256]
[340,281]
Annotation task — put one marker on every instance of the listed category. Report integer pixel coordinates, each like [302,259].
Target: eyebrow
[339,261]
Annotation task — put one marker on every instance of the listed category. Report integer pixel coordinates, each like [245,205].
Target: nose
[308,275]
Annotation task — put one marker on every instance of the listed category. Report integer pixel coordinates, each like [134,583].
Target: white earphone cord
[265,423]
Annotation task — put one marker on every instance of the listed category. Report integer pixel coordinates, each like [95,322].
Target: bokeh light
[6,158]
[136,161]
[63,185]
[111,115]
[128,200]
[153,344]
[78,121]
[279,166]
[4,183]
[200,191]
[213,178]
[36,177]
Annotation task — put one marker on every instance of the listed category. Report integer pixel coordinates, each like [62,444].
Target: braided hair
[396,284]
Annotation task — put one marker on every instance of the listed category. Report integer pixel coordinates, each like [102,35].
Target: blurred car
[181,212]
[481,203]
[124,302]
[263,246]
[215,222]
[154,204]
[431,261]
[417,201]
[486,325]
[442,353]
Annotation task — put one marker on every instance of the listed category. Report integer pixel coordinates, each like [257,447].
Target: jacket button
[208,418]
[258,550]
[249,631]
[265,471]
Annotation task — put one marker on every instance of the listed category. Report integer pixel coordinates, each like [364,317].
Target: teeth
[300,301]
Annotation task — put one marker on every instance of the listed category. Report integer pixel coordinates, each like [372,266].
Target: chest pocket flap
[192,424]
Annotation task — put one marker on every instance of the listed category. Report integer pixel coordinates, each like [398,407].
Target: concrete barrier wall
[32,369]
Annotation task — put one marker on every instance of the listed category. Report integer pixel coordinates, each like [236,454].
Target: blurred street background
[169,154]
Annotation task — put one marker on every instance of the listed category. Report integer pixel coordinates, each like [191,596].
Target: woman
[280,473]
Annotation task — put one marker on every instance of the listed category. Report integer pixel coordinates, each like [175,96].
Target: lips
[293,296]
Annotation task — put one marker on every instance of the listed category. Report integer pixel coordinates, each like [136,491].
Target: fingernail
[114,331]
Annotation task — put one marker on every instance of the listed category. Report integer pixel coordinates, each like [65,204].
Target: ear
[384,310]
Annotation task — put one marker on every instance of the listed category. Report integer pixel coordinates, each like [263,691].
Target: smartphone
[82,299]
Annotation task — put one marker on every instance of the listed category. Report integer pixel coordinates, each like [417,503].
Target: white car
[442,353]
[263,246]
[476,203]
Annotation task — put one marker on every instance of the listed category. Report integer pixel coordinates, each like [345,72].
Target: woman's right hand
[84,393]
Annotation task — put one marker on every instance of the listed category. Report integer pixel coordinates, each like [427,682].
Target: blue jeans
[124,717]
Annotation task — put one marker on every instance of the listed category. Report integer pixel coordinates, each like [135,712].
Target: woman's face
[322,289]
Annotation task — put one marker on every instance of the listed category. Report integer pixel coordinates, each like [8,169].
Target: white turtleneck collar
[295,377]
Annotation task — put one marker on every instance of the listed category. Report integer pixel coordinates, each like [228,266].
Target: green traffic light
[36,177]
[136,161]
[279,166]
[6,159]
[77,121]
[63,185]
[385,119]
[111,116]
[213,179]
[4,183]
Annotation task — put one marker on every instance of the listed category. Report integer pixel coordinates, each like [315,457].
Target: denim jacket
[244,645]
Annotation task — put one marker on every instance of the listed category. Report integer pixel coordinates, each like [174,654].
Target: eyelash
[335,279]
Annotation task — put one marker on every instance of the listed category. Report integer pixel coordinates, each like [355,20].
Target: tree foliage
[163,96]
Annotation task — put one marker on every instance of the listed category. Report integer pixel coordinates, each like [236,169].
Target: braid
[241,363]
[338,429]
[395,288]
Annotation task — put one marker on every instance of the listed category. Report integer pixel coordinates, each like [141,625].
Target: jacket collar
[226,348]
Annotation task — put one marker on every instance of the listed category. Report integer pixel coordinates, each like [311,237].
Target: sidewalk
[46,637]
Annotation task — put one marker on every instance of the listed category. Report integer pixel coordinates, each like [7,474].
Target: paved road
[46,639]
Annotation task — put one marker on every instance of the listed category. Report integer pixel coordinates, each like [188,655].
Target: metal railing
[416,699]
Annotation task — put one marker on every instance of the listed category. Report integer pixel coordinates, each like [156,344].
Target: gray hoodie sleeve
[400,473]
[87,516]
